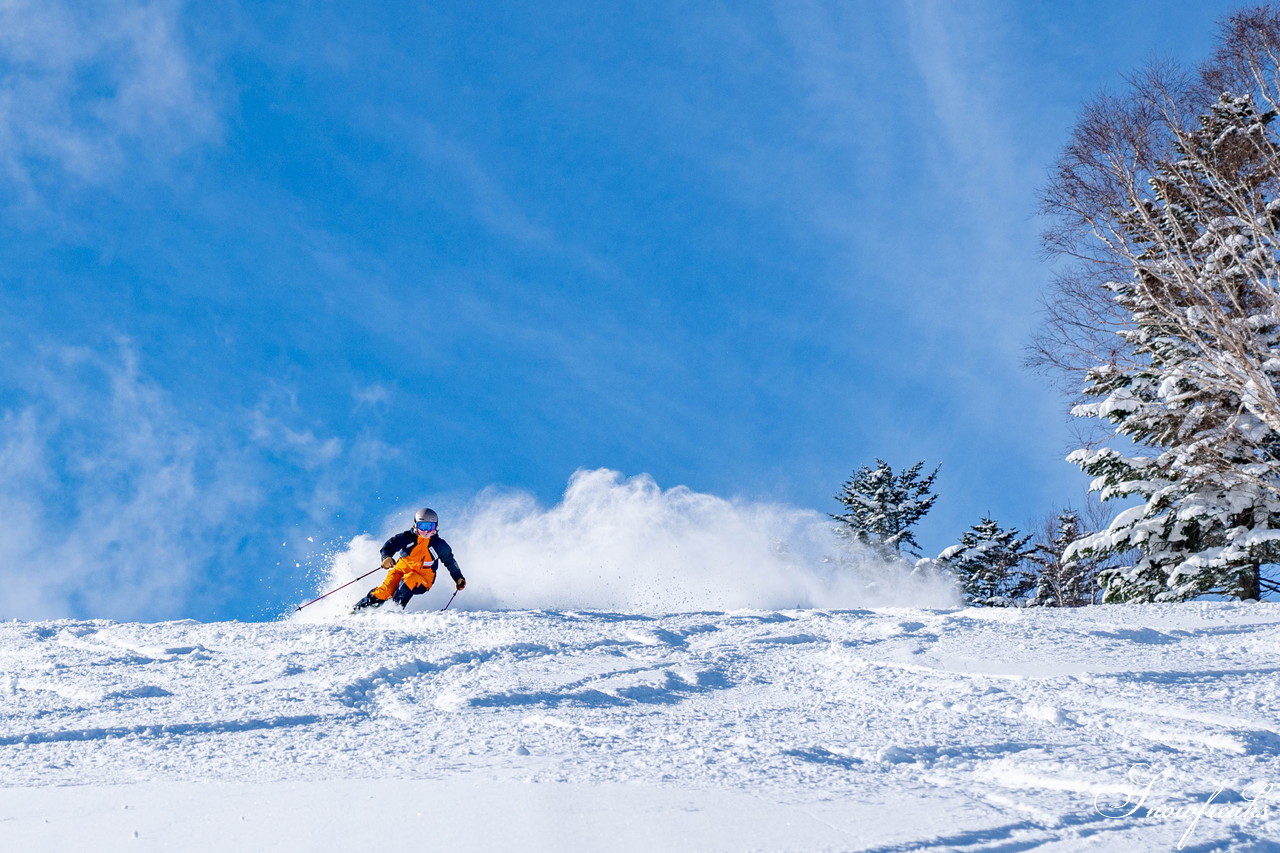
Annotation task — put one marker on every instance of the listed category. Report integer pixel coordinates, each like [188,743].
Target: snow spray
[615,543]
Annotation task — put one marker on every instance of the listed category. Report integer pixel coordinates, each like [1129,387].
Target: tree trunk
[1250,587]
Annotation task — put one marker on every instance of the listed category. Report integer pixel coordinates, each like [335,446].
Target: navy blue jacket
[402,544]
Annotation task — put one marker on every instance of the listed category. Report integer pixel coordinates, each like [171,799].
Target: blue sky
[272,272]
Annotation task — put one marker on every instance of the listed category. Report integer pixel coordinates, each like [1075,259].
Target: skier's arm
[397,543]
[445,555]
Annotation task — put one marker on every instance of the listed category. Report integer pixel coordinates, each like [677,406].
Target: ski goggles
[426,526]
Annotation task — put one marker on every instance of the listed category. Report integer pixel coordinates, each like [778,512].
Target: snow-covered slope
[772,730]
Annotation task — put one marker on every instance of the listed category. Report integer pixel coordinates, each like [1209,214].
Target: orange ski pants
[414,575]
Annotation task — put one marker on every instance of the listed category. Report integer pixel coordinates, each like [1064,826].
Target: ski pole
[332,591]
[451,598]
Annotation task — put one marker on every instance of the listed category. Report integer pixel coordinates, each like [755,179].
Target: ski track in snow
[885,730]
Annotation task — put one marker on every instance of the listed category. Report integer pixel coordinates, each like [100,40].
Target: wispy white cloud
[968,76]
[371,396]
[302,446]
[87,87]
[988,165]
[24,575]
[925,117]
[327,469]
[115,501]
[492,204]
[111,499]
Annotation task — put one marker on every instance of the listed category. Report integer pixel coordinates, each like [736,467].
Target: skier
[421,549]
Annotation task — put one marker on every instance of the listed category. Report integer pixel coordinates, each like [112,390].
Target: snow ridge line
[165,729]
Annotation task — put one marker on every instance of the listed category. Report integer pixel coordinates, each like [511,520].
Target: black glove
[462,583]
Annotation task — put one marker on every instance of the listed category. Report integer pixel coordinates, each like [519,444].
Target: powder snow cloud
[624,543]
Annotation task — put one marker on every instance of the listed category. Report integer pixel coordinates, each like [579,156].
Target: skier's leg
[381,593]
[415,582]
[404,593]
[390,583]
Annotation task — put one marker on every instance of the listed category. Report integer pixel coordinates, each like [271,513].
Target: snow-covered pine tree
[1167,203]
[1205,464]
[1062,581]
[990,564]
[881,507]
